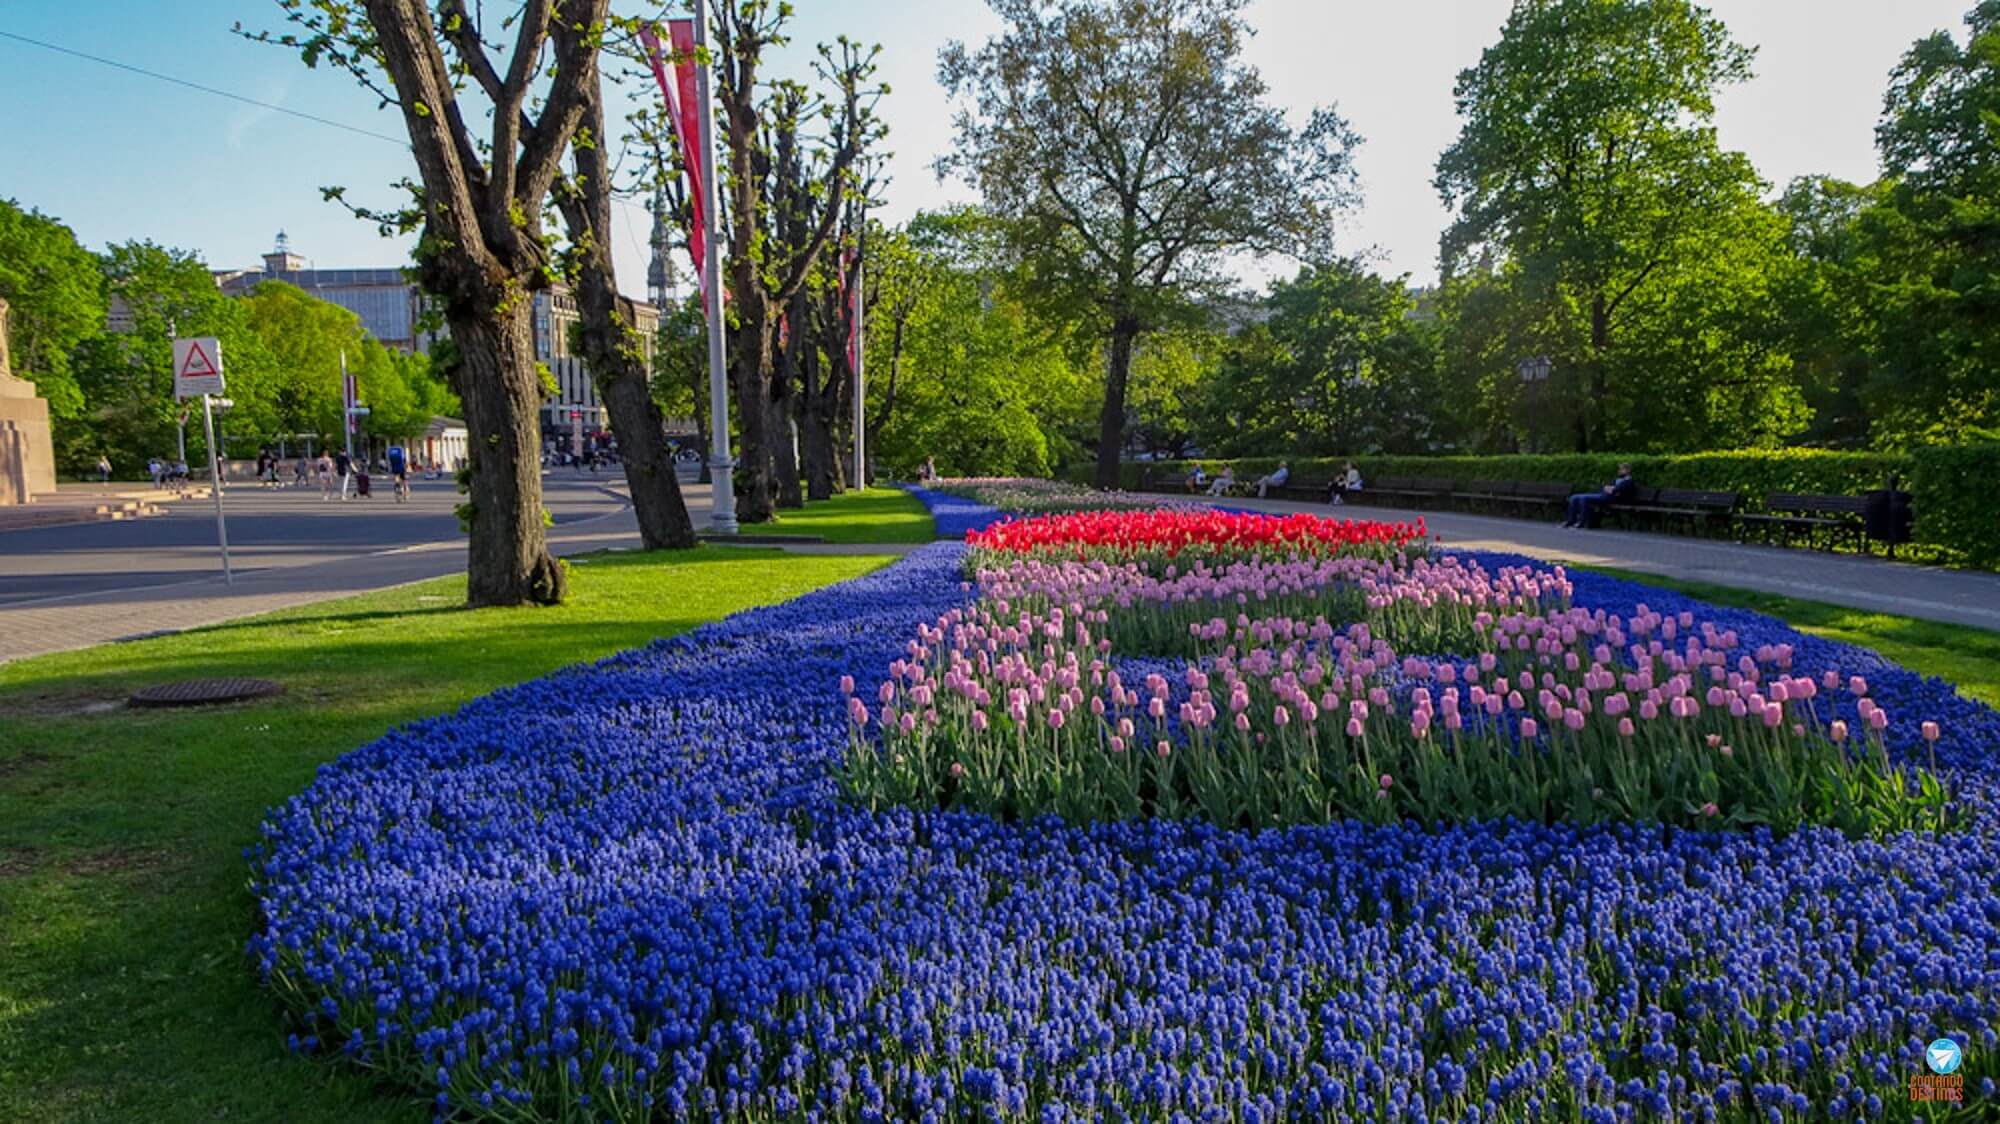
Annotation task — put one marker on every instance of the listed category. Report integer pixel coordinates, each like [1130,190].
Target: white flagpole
[861,355]
[722,513]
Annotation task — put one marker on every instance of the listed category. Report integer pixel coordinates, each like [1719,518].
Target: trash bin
[1886,516]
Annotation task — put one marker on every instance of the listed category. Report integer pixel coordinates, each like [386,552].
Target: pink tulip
[979,721]
[1857,685]
[1837,731]
[1624,727]
[1387,781]
[1055,719]
[847,684]
[1354,727]
[1878,719]
[1528,729]
[1163,750]
[1930,731]
[1709,809]
[957,770]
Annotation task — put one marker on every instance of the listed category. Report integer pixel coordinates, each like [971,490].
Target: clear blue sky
[119,156]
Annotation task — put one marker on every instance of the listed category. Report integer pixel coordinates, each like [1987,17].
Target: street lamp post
[722,514]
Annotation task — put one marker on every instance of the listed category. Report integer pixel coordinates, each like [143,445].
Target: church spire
[661,283]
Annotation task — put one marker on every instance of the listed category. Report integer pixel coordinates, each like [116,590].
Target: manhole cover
[198,692]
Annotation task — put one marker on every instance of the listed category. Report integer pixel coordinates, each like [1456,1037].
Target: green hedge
[1752,472]
[1955,489]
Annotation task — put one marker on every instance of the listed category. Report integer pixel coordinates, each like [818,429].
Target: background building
[389,304]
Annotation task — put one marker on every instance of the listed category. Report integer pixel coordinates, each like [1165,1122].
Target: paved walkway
[40,625]
[1926,592]
[53,624]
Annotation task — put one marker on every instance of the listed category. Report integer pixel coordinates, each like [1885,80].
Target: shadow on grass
[124,993]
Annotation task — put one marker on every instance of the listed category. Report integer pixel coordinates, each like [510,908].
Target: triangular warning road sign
[197,362]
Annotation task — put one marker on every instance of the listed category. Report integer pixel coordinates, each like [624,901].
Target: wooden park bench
[1788,513]
[1414,491]
[1692,508]
[1300,488]
[1485,495]
[1523,498]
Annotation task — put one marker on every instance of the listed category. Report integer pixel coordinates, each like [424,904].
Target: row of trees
[1613,278]
[1128,158]
[480,204]
[110,393]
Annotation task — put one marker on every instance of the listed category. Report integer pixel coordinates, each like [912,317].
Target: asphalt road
[268,529]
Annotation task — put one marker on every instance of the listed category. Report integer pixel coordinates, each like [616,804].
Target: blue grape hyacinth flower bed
[629,891]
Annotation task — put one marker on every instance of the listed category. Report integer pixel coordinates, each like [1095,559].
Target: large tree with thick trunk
[764,270]
[607,328]
[1136,153]
[477,205]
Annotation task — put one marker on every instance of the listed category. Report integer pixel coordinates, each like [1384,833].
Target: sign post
[198,373]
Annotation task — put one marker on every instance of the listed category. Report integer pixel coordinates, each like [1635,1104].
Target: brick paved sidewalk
[1926,592]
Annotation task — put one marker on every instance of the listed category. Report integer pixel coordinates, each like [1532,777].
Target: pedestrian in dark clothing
[1585,507]
[343,467]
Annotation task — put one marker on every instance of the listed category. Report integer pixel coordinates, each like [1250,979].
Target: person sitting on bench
[1196,480]
[1224,482]
[1275,480]
[1349,480]
[1584,507]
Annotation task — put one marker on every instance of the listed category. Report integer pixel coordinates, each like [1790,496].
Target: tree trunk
[749,367]
[1600,342]
[650,473]
[508,561]
[784,448]
[1111,424]
[614,352]
[816,442]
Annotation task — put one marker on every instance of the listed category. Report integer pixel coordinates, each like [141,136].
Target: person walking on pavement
[103,469]
[300,471]
[325,468]
[343,467]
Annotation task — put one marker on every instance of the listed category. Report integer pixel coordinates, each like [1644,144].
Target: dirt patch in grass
[60,704]
[12,766]
[113,862]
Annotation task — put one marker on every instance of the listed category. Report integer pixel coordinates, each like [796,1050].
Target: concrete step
[57,514]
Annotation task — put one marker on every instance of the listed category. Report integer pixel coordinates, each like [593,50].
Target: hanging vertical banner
[682,112]
[854,320]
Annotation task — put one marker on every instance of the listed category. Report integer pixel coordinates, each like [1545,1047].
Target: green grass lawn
[1968,657]
[872,515]
[124,990]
